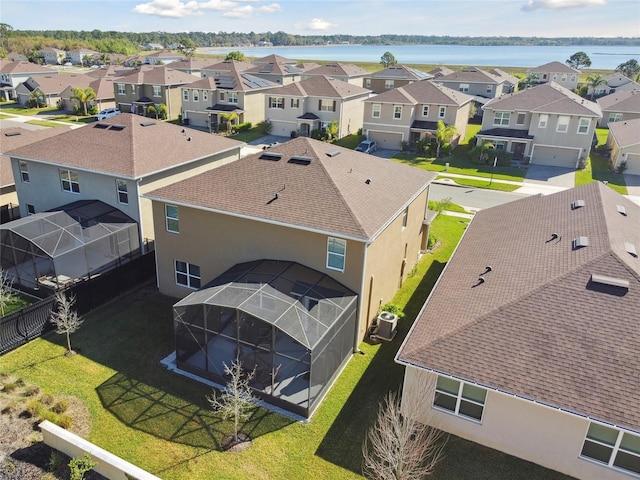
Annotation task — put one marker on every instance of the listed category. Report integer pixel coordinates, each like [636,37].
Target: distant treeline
[25,41]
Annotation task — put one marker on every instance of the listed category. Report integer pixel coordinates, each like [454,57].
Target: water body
[602,57]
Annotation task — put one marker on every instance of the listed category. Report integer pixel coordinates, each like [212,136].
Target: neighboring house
[13,74]
[312,104]
[192,66]
[440,71]
[49,88]
[10,139]
[547,124]
[619,106]
[277,69]
[412,112]
[393,77]
[17,57]
[340,223]
[616,82]
[340,71]
[147,86]
[510,81]
[152,46]
[162,58]
[557,72]
[52,56]
[211,101]
[530,338]
[225,67]
[110,71]
[102,87]
[478,83]
[115,161]
[80,56]
[624,142]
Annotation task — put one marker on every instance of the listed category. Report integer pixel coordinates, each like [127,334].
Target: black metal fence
[26,324]
[9,212]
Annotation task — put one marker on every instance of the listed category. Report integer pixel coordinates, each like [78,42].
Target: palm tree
[35,98]
[594,81]
[444,134]
[83,96]
[229,118]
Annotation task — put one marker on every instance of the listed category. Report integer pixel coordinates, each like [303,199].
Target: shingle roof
[162,75]
[229,65]
[273,59]
[539,327]
[626,133]
[321,86]
[401,72]
[338,70]
[627,101]
[141,148]
[275,69]
[330,194]
[423,91]
[55,84]
[546,98]
[25,68]
[554,67]
[471,75]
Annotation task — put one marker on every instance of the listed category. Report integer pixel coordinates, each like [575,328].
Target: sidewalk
[44,118]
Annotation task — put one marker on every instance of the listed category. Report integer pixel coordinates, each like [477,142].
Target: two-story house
[615,82]
[410,113]
[624,142]
[557,72]
[224,67]
[52,56]
[162,58]
[276,69]
[619,106]
[346,72]
[147,86]
[48,88]
[547,124]
[312,104]
[102,87]
[77,56]
[13,74]
[393,77]
[309,238]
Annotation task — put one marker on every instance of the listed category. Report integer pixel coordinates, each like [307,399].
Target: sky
[468,18]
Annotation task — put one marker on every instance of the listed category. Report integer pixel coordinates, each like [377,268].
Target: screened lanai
[53,249]
[294,325]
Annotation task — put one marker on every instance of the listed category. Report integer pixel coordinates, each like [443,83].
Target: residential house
[17,57]
[306,226]
[546,124]
[13,74]
[619,106]
[624,142]
[510,81]
[234,96]
[312,104]
[10,139]
[52,56]
[192,66]
[277,69]
[163,57]
[115,161]
[110,71]
[557,72]
[103,88]
[393,77]
[48,88]
[410,113]
[440,71]
[530,330]
[225,67]
[152,46]
[151,86]
[615,82]
[80,56]
[340,71]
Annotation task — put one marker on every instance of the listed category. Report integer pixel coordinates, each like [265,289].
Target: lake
[602,57]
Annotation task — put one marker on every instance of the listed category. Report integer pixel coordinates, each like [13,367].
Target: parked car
[367,146]
[107,113]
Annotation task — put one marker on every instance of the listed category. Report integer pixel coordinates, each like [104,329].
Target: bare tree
[237,400]
[65,318]
[398,446]
[6,291]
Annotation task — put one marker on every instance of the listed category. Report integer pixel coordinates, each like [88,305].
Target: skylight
[631,249]
[580,242]
[611,281]
[274,157]
[298,160]
[577,204]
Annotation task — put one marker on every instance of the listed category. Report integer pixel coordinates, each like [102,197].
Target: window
[367,83]
[24,171]
[295,103]
[375,110]
[615,117]
[460,398]
[123,194]
[276,102]
[133,89]
[442,111]
[120,88]
[336,253]
[185,95]
[205,96]
[501,118]
[612,447]
[196,95]
[172,218]
[563,124]
[232,97]
[489,88]
[583,126]
[543,120]
[187,275]
[69,180]
[425,110]
[157,91]
[555,76]
[464,87]
[520,118]
[405,217]
[222,96]
[388,84]
[397,112]
[327,105]
[31,210]
[564,78]
[573,78]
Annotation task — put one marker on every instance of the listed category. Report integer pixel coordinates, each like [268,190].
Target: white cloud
[532,5]
[320,24]
[217,5]
[181,9]
[273,8]
[239,12]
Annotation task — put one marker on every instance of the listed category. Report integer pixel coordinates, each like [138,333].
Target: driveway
[633,187]
[546,180]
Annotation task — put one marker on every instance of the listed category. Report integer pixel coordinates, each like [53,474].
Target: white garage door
[633,164]
[557,157]
[392,141]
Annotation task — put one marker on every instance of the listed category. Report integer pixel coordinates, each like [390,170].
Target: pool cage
[294,325]
[56,248]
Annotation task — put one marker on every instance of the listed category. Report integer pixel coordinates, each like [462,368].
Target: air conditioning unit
[387,325]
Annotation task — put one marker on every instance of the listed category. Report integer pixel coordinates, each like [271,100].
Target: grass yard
[162,422]
[481,183]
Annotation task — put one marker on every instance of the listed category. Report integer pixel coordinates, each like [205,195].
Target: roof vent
[148,124]
[621,210]
[333,153]
[11,134]
[300,160]
[611,281]
[118,127]
[577,204]
[101,125]
[368,181]
[274,157]
[631,249]
[580,242]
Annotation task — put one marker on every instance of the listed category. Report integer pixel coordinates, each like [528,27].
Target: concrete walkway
[45,118]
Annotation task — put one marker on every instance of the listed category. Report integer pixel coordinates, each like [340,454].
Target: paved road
[475,198]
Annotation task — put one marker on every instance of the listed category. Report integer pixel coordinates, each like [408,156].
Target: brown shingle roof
[338,70]
[135,151]
[321,86]
[330,194]
[538,327]
[26,67]
[55,84]
[626,133]
[424,91]
[554,67]
[401,72]
[471,75]
[162,75]
[626,101]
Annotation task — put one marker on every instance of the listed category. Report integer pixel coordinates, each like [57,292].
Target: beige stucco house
[410,113]
[52,56]
[80,56]
[103,87]
[557,72]
[546,124]
[277,69]
[13,74]
[48,88]
[346,72]
[528,343]
[618,106]
[624,142]
[393,77]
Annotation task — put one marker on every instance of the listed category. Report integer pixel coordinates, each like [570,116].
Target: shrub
[621,168]
[265,127]
[10,387]
[244,127]
[57,460]
[32,391]
[59,407]
[440,205]
[92,110]
[79,466]
[431,241]
[46,399]
[393,308]
[404,146]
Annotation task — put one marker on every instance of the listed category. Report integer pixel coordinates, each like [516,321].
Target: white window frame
[616,448]
[232,97]
[501,118]
[425,110]
[157,90]
[573,78]
[205,96]
[67,181]
[222,96]
[405,217]
[389,84]
[333,254]
[122,191]
[172,219]
[543,121]
[442,112]
[464,87]
[276,102]
[489,88]
[185,95]
[460,399]
[563,124]
[31,209]
[367,83]
[189,272]
[326,105]
[520,115]
[196,95]
[121,88]
[583,125]
[615,117]
[133,89]
[24,171]
[376,109]
[397,112]
[295,103]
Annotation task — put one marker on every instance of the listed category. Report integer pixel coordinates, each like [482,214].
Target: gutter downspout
[356,340]
[140,227]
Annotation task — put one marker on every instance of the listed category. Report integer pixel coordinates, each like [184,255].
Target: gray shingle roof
[626,133]
[338,70]
[423,91]
[25,67]
[554,67]
[539,327]
[401,72]
[627,101]
[321,86]
[330,194]
[162,75]
[471,75]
